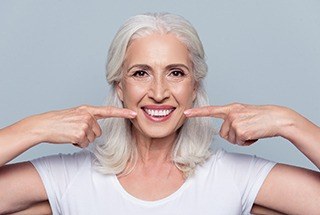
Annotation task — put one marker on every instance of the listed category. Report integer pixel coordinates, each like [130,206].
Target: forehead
[158,49]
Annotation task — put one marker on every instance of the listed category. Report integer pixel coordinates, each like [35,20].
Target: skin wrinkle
[165,78]
[126,85]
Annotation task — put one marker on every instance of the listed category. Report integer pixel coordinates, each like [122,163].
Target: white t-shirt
[226,184]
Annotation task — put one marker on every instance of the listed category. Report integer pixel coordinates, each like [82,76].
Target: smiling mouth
[158,112]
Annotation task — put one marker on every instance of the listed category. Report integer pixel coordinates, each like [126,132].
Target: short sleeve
[57,173]
[248,173]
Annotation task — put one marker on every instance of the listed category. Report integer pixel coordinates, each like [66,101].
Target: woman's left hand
[245,124]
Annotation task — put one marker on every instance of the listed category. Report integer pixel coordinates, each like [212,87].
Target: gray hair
[117,147]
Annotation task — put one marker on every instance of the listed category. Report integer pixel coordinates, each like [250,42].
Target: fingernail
[132,113]
[187,112]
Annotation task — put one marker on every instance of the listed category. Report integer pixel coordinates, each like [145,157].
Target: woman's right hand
[76,125]
[20,184]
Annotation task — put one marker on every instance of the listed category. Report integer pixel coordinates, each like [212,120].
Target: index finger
[109,111]
[207,111]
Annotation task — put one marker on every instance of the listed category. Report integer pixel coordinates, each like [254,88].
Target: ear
[119,90]
[195,90]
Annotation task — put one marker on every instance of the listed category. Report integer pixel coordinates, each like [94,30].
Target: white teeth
[158,113]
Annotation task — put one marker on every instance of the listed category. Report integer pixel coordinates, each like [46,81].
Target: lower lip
[158,119]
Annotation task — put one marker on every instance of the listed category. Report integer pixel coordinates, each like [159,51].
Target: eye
[140,73]
[177,73]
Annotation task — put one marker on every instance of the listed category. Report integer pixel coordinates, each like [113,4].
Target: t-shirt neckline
[134,199]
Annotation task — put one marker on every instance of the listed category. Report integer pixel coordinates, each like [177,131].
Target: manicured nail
[132,113]
[187,112]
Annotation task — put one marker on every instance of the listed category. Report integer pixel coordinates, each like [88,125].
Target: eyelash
[142,73]
[139,73]
[181,73]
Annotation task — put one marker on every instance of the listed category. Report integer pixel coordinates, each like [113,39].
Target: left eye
[177,73]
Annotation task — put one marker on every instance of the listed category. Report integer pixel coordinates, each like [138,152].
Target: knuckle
[84,126]
[79,109]
[80,135]
[232,116]
[86,117]
[238,106]
[247,135]
[243,134]
[91,137]
[99,132]
[239,142]
[232,140]
[234,104]
[221,133]
[234,125]
[239,131]
[83,107]
[75,139]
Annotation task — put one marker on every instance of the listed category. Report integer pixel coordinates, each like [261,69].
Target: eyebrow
[147,67]
[141,66]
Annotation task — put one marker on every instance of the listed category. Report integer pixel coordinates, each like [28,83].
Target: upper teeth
[158,112]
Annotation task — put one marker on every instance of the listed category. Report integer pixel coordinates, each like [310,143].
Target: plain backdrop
[53,54]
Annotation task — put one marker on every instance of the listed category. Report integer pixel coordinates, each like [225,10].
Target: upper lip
[158,107]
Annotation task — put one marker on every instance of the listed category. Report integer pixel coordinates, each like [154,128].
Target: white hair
[117,146]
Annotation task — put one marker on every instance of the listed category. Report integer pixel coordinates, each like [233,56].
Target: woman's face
[158,84]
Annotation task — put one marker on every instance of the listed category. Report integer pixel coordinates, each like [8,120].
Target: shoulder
[66,165]
[222,158]
[63,177]
[75,158]
[239,174]
[236,166]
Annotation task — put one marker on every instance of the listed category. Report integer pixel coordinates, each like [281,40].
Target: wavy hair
[116,147]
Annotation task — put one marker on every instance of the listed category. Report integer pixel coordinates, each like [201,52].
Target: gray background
[53,53]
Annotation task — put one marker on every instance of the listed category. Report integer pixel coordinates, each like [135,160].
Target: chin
[154,131]
[150,128]
[158,133]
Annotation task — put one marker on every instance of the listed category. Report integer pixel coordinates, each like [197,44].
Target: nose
[159,90]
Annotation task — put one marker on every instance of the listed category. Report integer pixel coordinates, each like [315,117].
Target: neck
[154,150]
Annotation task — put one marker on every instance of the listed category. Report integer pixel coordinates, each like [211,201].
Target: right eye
[140,73]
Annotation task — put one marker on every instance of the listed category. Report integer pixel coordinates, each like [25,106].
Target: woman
[154,152]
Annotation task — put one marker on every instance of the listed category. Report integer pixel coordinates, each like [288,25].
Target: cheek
[184,94]
[133,94]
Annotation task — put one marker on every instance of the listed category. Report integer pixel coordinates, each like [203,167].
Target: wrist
[16,139]
[287,122]
[28,129]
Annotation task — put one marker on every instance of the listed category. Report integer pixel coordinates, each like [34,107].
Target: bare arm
[259,210]
[39,208]
[76,125]
[291,190]
[16,139]
[287,189]
[304,134]
[245,124]
[21,186]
